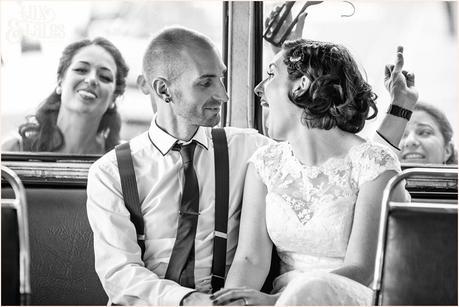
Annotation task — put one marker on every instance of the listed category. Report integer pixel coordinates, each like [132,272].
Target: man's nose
[222,95]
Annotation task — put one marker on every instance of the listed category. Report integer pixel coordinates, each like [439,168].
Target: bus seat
[15,244]
[61,247]
[417,256]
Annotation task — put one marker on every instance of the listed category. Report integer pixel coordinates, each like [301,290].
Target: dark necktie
[181,263]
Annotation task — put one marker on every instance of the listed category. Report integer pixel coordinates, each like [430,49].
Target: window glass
[426,29]
[34,34]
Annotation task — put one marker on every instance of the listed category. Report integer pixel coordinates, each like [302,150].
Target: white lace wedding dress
[309,212]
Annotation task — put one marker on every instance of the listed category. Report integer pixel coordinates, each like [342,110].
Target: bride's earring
[58,90]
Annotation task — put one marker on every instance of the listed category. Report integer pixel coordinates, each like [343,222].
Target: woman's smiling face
[423,141]
[89,83]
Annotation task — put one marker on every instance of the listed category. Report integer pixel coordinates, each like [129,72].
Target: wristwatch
[399,111]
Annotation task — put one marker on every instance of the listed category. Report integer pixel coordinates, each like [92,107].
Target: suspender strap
[221,208]
[130,192]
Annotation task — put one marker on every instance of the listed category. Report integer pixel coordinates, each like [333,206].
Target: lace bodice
[309,210]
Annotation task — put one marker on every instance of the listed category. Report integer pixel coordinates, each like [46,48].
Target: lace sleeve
[373,160]
[264,159]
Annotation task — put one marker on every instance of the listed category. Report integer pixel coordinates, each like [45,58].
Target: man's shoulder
[108,162]
[244,133]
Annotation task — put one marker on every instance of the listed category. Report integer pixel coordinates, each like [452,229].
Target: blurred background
[34,33]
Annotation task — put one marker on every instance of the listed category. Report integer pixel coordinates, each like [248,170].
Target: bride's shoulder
[271,151]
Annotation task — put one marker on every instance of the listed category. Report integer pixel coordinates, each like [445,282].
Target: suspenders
[131,199]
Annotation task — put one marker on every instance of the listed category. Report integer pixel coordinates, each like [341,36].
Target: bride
[316,195]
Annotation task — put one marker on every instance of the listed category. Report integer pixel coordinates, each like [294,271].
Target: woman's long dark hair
[42,134]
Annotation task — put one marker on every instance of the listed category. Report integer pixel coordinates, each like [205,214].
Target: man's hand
[197,298]
[400,83]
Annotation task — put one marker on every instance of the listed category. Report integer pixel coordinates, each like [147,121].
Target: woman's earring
[112,106]
[58,90]
[168,99]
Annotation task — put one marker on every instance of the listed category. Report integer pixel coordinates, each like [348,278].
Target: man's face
[198,93]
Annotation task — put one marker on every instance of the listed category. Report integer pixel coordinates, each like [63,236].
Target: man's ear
[300,86]
[161,88]
[142,84]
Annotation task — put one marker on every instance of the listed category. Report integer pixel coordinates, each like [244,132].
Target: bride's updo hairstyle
[338,95]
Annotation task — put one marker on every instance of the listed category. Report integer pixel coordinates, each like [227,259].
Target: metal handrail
[20,204]
[386,206]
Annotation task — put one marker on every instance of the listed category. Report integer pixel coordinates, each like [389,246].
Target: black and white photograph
[244,153]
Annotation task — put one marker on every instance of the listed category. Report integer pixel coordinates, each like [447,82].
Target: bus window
[35,33]
[372,30]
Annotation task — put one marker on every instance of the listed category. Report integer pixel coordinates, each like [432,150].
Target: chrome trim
[20,204]
[387,205]
[50,171]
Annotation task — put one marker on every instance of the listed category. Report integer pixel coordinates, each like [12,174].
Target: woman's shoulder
[270,152]
[370,159]
[370,150]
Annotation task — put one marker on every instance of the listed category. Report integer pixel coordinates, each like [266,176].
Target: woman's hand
[243,296]
[400,83]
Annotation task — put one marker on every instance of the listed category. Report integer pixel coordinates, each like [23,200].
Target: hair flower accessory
[294,59]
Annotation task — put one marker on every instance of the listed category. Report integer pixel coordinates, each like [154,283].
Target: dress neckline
[288,153]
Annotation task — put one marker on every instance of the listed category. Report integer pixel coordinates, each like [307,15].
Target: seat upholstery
[420,266]
[61,248]
[10,257]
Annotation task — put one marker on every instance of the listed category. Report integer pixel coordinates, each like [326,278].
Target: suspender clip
[221,234]
[188,212]
[217,276]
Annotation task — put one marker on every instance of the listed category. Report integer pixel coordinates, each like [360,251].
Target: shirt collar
[163,141]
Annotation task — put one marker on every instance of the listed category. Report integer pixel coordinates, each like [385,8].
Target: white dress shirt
[160,179]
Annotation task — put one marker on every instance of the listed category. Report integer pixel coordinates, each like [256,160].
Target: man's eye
[206,83]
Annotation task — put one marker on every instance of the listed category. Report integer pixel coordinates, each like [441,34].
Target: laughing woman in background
[428,137]
[80,115]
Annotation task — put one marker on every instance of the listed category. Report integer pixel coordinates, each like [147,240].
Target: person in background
[80,115]
[428,137]
[315,195]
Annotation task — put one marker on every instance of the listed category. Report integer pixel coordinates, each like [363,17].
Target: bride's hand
[243,296]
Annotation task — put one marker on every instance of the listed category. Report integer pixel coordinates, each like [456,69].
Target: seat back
[15,244]
[61,246]
[416,262]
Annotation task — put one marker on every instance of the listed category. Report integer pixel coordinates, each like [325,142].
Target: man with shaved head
[182,74]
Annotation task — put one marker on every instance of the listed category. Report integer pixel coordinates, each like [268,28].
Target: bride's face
[273,91]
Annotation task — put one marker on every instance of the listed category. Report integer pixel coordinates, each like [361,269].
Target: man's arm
[404,96]
[117,255]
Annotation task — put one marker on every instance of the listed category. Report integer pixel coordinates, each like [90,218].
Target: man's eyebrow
[212,75]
